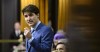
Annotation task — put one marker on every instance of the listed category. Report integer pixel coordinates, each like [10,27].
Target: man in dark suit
[15,35]
[40,37]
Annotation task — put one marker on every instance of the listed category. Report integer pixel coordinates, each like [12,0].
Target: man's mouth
[30,21]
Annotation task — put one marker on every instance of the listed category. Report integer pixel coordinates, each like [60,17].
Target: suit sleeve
[46,41]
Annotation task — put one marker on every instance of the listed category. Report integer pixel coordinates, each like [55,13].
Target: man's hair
[31,9]
[17,22]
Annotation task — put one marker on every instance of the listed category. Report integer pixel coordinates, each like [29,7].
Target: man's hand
[27,33]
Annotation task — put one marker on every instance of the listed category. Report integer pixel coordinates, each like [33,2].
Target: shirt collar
[36,26]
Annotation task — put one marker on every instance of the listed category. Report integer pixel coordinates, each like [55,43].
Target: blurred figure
[59,35]
[60,41]
[20,48]
[60,47]
[15,35]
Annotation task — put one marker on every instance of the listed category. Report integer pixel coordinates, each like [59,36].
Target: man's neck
[36,25]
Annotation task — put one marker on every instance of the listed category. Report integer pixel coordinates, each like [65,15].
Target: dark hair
[17,22]
[66,46]
[31,9]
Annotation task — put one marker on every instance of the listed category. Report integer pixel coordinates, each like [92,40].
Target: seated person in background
[15,35]
[61,47]
[59,35]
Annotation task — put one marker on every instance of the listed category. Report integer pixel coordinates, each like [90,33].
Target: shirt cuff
[30,40]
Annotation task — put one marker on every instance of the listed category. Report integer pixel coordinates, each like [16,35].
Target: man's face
[31,18]
[60,48]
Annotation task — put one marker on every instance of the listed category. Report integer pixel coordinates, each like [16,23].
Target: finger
[25,31]
[26,28]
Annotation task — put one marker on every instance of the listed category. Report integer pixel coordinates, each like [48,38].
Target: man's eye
[26,15]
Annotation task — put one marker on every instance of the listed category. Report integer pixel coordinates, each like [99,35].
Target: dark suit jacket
[42,42]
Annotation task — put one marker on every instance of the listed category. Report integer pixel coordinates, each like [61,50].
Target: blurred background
[83,27]
[78,19]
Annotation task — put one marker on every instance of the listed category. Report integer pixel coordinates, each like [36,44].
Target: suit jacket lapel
[39,26]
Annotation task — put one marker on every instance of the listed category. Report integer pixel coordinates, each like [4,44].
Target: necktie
[32,31]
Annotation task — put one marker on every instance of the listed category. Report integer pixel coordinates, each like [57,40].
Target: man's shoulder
[44,27]
[47,29]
